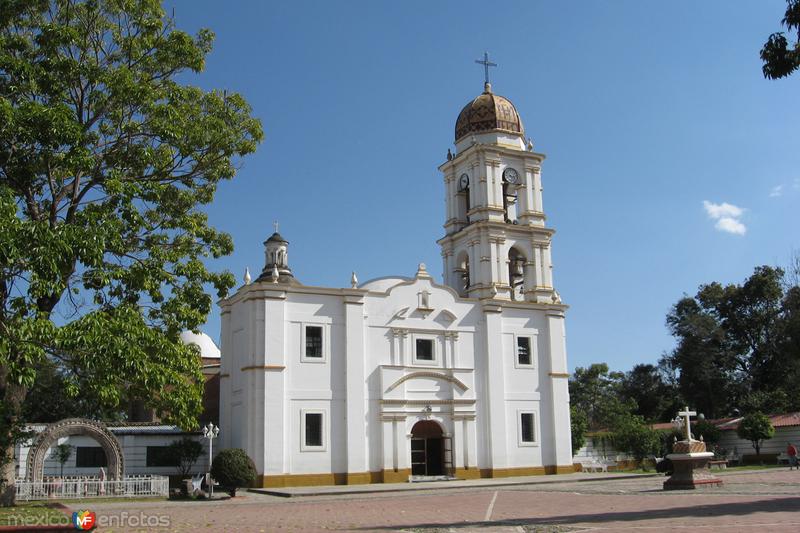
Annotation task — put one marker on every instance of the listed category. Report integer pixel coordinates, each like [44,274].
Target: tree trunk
[11,396]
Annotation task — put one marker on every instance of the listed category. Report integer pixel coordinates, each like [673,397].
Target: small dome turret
[488,112]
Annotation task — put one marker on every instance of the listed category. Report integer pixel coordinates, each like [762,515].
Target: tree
[578,426]
[232,468]
[105,163]
[708,431]
[184,453]
[738,345]
[633,435]
[63,452]
[596,392]
[656,399]
[781,58]
[755,427]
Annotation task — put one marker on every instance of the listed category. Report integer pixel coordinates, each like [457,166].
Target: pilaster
[356,392]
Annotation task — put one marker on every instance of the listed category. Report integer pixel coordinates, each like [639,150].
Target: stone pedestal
[690,467]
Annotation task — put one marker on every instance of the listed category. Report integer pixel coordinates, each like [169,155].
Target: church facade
[404,377]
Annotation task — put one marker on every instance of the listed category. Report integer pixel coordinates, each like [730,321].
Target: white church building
[404,377]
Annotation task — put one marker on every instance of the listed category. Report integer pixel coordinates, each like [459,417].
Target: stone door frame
[75,426]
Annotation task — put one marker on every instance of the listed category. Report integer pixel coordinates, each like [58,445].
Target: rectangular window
[527,434]
[90,457]
[314,342]
[524,351]
[159,456]
[424,349]
[313,429]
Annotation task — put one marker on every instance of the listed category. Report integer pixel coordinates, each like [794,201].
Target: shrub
[710,433]
[232,468]
[631,434]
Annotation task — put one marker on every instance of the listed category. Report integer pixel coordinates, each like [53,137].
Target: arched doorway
[74,426]
[431,450]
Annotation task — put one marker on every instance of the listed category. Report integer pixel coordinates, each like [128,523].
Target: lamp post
[210,431]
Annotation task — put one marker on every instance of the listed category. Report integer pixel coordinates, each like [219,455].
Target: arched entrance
[74,426]
[431,450]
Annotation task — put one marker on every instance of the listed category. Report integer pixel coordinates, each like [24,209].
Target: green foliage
[738,345]
[232,468]
[779,56]
[652,390]
[106,164]
[710,433]
[184,453]
[49,399]
[596,392]
[633,435]
[63,452]
[578,425]
[755,427]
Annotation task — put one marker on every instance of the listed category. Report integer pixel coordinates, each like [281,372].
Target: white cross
[275,225]
[687,414]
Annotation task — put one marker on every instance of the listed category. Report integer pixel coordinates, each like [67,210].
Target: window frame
[325,342]
[323,430]
[523,443]
[532,351]
[434,351]
[162,449]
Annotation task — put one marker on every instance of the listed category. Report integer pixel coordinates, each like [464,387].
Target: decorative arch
[75,426]
[434,375]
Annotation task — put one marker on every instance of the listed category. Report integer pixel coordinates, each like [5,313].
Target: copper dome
[488,112]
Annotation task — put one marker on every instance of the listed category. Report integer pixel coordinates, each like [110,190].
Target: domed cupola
[488,112]
[276,267]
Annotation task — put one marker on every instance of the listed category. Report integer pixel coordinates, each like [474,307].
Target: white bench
[596,466]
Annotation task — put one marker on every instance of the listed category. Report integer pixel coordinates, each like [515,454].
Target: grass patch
[743,468]
[33,513]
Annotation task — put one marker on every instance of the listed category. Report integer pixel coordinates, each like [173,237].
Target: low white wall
[738,447]
[598,451]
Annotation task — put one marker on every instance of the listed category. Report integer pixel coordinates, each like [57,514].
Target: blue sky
[645,110]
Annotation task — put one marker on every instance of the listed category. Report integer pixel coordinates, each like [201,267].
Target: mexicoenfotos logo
[84,520]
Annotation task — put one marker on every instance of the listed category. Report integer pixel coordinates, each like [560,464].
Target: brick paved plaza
[748,501]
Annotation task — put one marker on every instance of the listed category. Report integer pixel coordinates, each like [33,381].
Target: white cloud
[776,191]
[730,225]
[727,217]
[724,209]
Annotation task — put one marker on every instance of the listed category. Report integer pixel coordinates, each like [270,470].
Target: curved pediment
[434,375]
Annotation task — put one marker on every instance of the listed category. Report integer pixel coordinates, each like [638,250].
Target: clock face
[463,182]
[511,176]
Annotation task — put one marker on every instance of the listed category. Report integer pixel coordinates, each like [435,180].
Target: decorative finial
[247,277]
[274,276]
[486,64]
[354,281]
[275,225]
[473,139]
[530,145]
[493,290]
[556,297]
[422,271]
[449,155]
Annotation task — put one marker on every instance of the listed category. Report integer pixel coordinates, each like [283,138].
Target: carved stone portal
[75,426]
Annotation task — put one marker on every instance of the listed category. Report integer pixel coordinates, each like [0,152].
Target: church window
[524,351]
[313,429]
[527,428]
[314,342]
[424,350]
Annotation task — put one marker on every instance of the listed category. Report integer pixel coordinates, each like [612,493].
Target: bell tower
[496,244]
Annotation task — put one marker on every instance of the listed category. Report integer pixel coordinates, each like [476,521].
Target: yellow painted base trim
[468,473]
[401,476]
[396,476]
[361,478]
